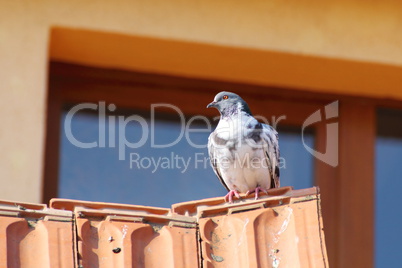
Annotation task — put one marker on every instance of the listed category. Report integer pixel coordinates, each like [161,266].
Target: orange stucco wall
[359,35]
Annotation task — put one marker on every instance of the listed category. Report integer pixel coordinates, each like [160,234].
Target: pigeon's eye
[225,97]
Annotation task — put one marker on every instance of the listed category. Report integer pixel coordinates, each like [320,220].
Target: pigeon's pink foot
[229,196]
[256,191]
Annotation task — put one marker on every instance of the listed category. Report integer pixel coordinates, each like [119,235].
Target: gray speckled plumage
[244,153]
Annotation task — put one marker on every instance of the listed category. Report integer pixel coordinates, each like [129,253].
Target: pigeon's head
[229,103]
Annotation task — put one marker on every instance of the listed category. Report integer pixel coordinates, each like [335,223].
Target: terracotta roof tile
[281,229]
[284,230]
[32,235]
[113,235]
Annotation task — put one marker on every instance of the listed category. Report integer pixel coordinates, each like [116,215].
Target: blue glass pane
[388,220]
[154,176]
[298,168]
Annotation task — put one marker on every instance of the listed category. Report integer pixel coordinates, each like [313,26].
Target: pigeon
[244,153]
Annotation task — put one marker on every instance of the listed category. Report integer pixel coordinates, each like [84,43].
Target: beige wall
[368,31]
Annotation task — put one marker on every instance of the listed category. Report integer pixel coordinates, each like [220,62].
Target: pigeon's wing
[213,140]
[271,149]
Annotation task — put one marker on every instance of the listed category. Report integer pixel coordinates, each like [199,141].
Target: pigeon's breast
[228,130]
[243,167]
[236,127]
[240,157]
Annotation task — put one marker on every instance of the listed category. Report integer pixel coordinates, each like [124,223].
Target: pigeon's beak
[212,104]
